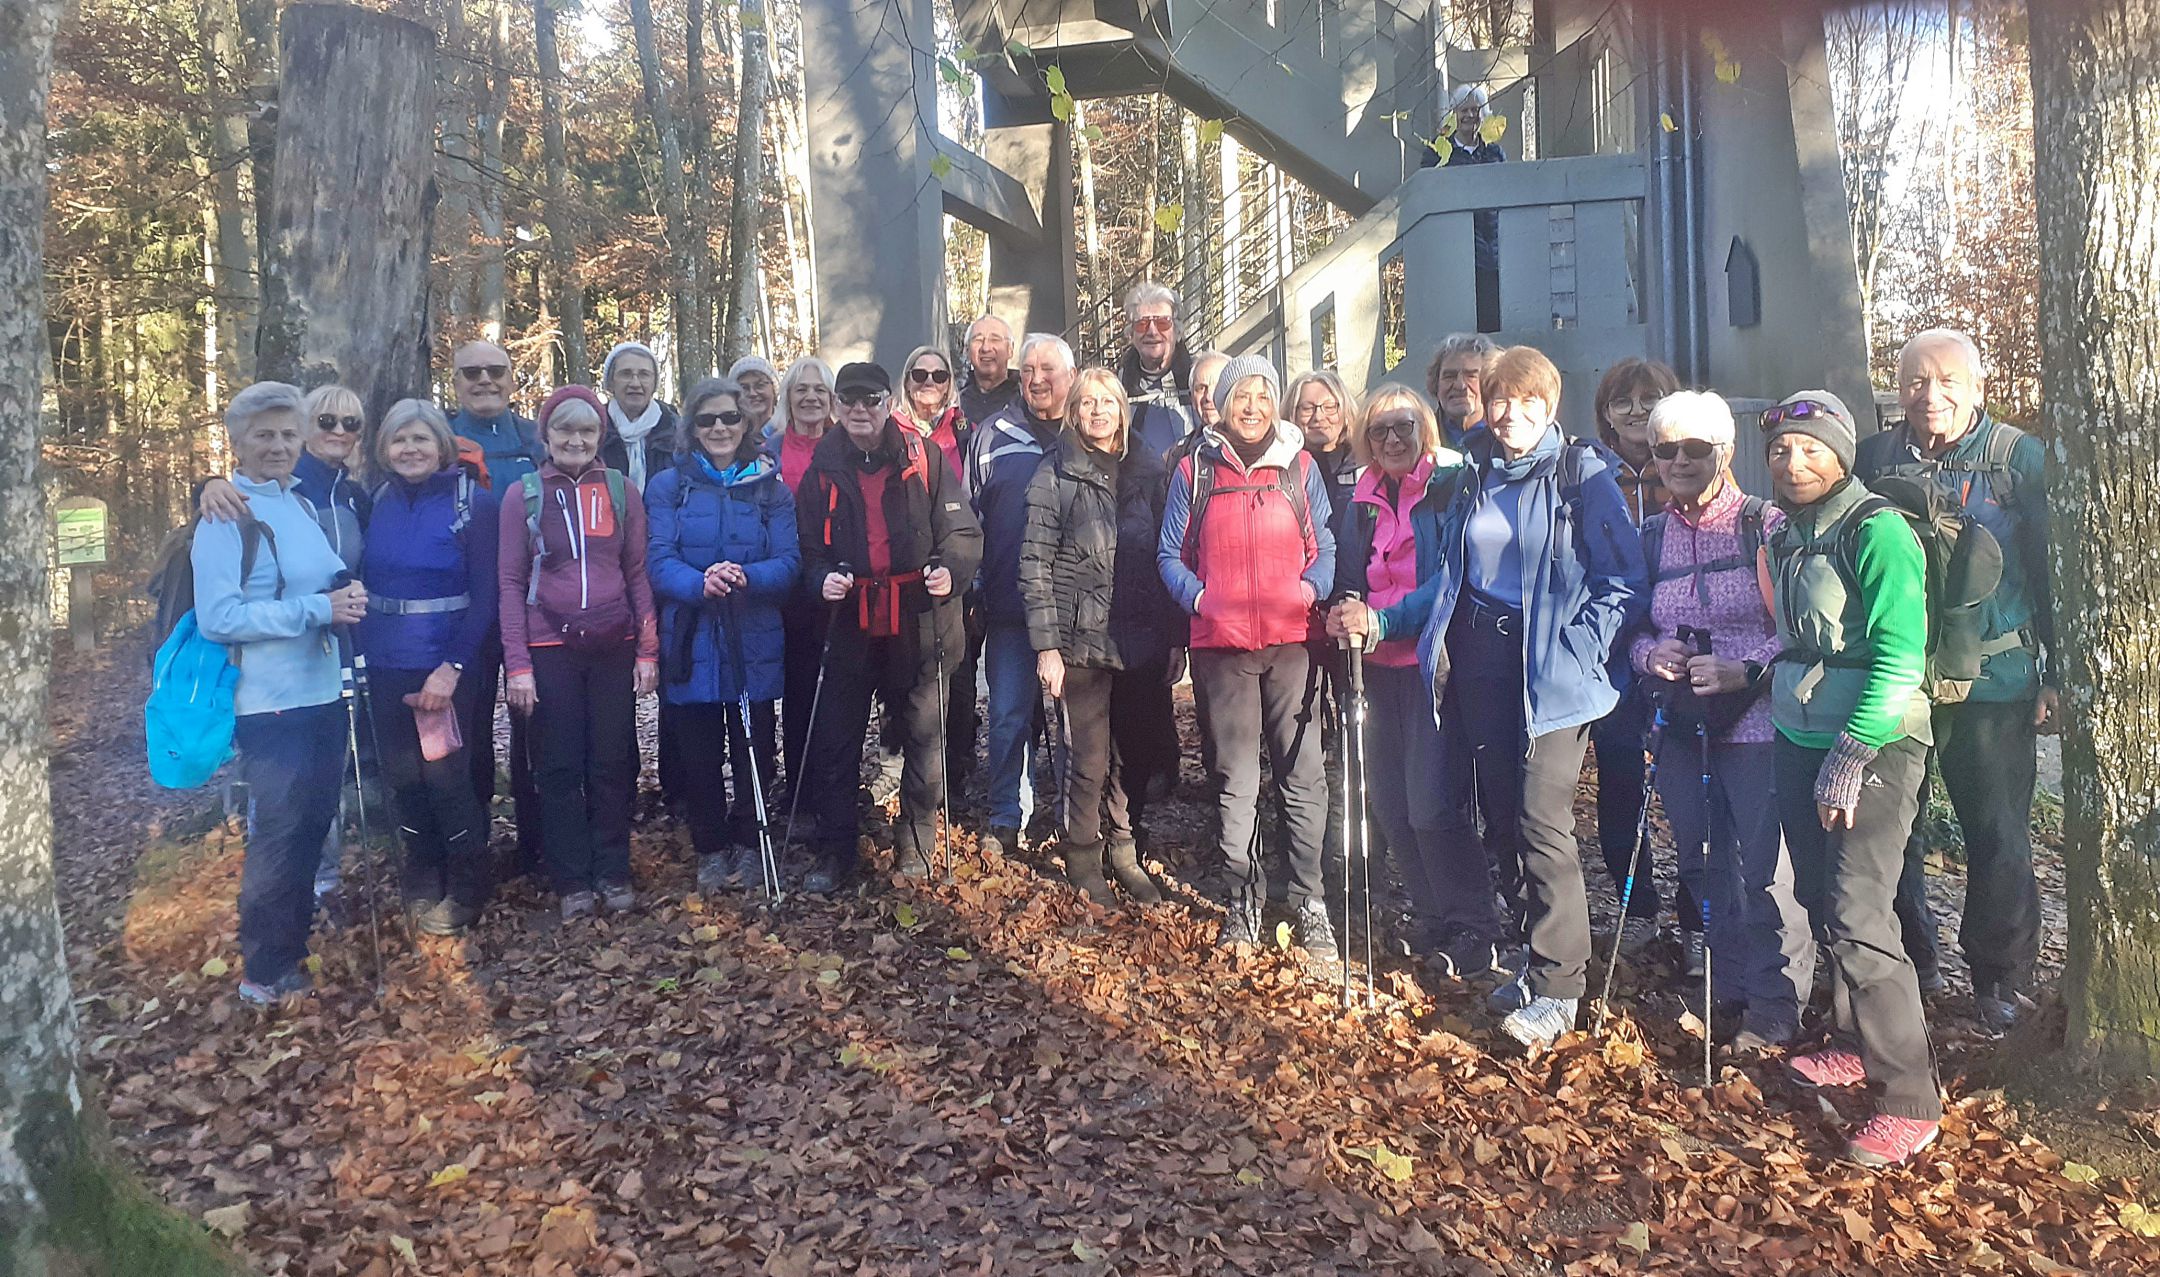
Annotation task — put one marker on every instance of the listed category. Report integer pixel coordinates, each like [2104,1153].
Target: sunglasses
[927,376]
[707,420]
[1404,427]
[1805,410]
[1696,449]
[862,398]
[331,421]
[487,372]
[1152,324]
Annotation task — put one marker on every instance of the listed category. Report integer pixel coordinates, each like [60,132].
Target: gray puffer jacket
[1087,562]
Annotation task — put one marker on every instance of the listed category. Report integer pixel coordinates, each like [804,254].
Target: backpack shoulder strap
[1847,542]
[530,483]
[1292,484]
[1754,513]
[617,493]
[2002,476]
[1653,545]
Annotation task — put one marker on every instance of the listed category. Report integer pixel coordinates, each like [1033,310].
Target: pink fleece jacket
[1739,621]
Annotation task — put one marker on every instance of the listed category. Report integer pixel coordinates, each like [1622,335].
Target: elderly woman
[1386,546]
[1848,580]
[1539,573]
[1710,641]
[1099,616]
[808,410]
[1625,396]
[640,429]
[431,557]
[723,557]
[1321,406]
[760,392]
[580,646]
[1247,553]
[930,405]
[269,589]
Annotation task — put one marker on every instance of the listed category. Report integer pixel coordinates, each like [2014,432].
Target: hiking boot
[1510,997]
[1890,1141]
[1931,981]
[1998,1007]
[1123,857]
[716,873]
[1540,1022]
[912,852]
[446,918]
[579,904]
[1694,954]
[1083,869]
[1757,1037]
[291,985]
[619,897]
[749,868]
[1637,933]
[416,911]
[830,874]
[1465,958]
[1831,1066]
[1315,934]
[1240,925]
[885,785]
[1001,840]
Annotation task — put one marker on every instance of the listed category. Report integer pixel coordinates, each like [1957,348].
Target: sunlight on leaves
[450,1174]
[1494,128]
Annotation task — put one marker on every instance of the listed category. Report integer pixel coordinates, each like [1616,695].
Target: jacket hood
[1282,450]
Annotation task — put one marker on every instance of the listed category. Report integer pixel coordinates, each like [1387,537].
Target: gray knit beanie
[1239,369]
[751,363]
[1828,420]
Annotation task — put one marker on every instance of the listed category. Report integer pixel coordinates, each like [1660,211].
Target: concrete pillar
[1033,287]
[876,212]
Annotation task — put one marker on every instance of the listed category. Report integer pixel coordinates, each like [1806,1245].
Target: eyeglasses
[707,420]
[331,421]
[1696,449]
[1805,410]
[1403,426]
[487,372]
[1638,406]
[927,376]
[862,398]
[1151,324]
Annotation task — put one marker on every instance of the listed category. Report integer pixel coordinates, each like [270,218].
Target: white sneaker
[1541,1023]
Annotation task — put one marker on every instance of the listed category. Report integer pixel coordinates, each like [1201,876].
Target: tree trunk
[228,80]
[494,241]
[1099,318]
[795,217]
[746,201]
[683,297]
[40,1103]
[1195,279]
[698,260]
[459,165]
[2096,91]
[345,285]
[561,226]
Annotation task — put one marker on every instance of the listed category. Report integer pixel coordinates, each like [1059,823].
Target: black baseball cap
[860,378]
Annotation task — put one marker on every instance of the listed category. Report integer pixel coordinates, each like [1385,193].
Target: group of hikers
[785,553]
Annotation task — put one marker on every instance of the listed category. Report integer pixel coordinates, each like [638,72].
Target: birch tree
[684,299]
[746,201]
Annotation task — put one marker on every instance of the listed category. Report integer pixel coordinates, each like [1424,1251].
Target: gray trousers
[1444,868]
[1847,879]
[1761,951]
[1243,698]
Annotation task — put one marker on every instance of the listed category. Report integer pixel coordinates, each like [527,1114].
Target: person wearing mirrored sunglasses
[723,556]
[1849,588]
[1156,369]
[928,403]
[481,378]
[1708,574]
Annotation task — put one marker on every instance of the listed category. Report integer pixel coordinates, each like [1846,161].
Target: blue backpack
[188,720]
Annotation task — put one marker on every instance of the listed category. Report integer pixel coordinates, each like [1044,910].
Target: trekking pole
[354,676]
[1349,819]
[942,844]
[1354,798]
[1702,732]
[1642,853]
[817,694]
[767,859]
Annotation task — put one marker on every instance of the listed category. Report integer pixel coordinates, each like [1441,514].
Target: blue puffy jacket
[696,519]
[422,546]
[1583,584]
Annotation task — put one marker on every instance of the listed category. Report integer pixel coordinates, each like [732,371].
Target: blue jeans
[1009,663]
[294,761]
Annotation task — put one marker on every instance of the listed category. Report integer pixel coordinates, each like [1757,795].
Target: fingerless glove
[1837,781]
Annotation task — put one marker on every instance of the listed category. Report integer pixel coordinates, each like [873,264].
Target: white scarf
[633,436]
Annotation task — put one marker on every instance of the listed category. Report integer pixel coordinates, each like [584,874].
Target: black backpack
[172,574]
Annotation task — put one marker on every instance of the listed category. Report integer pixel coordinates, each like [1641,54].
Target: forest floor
[982,1077]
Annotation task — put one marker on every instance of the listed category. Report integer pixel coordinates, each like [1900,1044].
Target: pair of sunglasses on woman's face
[707,420]
[1696,449]
[331,421]
[929,376]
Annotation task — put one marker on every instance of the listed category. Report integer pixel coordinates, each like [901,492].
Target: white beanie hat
[607,366]
[1239,369]
[751,363]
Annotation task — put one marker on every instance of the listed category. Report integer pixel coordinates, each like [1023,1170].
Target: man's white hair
[1063,347]
[1149,293]
[1467,95]
[1947,337]
[989,319]
[260,400]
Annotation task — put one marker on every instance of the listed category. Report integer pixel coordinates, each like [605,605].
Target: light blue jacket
[281,643]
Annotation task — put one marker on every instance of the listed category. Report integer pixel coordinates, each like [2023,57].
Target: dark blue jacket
[415,551]
[694,521]
[1001,464]
[1583,584]
[341,504]
[511,442]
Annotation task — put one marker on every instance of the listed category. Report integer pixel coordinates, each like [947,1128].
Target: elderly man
[1984,747]
[1453,381]
[481,380]
[1007,449]
[1156,369]
[990,387]
[1467,145]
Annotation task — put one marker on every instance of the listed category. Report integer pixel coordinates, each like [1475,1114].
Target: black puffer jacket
[1087,563]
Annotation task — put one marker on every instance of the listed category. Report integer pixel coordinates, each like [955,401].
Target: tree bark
[1100,320]
[228,80]
[746,202]
[2096,91]
[494,241]
[459,147]
[40,1103]
[674,200]
[345,294]
[1150,188]
[561,226]
[698,252]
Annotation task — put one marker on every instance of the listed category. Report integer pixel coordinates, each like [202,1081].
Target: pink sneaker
[1830,1066]
[1888,1141]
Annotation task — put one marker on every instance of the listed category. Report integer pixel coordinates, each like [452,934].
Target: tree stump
[345,266]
